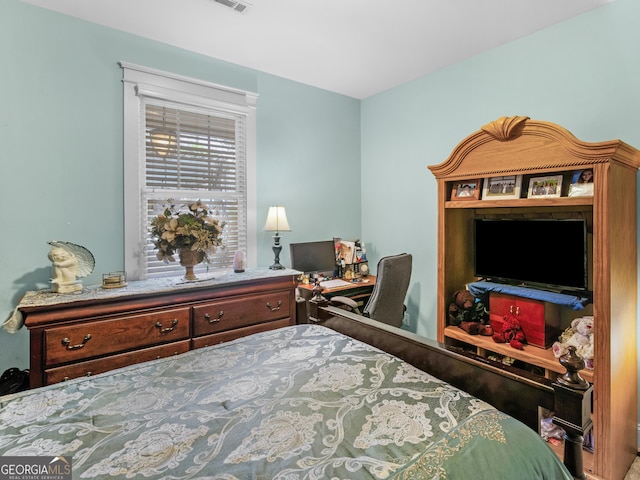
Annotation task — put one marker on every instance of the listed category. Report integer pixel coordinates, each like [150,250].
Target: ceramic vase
[189,259]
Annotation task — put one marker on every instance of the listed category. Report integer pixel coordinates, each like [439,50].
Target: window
[186,140]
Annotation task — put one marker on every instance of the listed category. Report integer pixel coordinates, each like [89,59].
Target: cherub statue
[69,262]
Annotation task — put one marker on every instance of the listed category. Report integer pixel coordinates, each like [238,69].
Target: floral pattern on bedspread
[301,402]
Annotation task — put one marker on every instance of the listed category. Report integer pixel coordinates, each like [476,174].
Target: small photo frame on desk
[502,188]
[581,183]
[541,187]
[361,269]
[466,190]
[345,251]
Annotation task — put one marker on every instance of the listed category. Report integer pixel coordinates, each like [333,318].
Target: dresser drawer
[100,365]
[96,338]
[240,312]
[216,338]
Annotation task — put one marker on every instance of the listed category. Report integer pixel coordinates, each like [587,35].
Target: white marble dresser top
[39,298]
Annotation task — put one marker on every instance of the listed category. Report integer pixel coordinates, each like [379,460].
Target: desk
[358,291]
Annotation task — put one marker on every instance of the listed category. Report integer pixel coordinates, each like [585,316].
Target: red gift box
[540,321]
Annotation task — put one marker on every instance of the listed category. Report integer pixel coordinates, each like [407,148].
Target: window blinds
[202,157]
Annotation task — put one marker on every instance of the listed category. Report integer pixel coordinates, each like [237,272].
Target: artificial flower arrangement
[194,229]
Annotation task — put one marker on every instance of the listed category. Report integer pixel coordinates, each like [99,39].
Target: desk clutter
[333,283]
[329,259]
[351,259]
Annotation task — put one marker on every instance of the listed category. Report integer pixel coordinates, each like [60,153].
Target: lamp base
[277,248]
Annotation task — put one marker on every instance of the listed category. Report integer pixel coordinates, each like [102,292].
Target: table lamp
[276,222]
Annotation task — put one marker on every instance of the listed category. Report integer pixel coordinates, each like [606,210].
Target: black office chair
[386,303]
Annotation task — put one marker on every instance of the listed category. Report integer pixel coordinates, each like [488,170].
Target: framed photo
[540,187]
[501,188]
[345,250]
[581,183]
[466,190]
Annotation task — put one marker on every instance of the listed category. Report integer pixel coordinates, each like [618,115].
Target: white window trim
[149,82]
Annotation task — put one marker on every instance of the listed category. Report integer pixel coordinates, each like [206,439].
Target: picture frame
[502,188]
[466,190]
[545,187]
[345,250]
[581,183]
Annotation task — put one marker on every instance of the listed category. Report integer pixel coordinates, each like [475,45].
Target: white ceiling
[353,47]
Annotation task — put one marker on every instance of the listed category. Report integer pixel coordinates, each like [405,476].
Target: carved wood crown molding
[505,127]
[519,144]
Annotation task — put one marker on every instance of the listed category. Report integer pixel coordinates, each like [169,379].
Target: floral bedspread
[302,402]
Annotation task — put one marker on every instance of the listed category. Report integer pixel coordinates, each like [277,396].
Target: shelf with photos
[568,188]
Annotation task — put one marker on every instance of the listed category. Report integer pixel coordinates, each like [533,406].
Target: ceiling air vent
[236,5]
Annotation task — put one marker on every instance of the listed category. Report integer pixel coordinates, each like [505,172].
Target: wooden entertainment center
[530,149]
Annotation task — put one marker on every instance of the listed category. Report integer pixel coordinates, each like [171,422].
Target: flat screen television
[314,257]
[541,253]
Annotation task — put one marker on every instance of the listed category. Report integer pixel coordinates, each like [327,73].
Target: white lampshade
[276,220]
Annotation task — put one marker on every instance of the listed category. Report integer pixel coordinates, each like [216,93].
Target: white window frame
[143,82]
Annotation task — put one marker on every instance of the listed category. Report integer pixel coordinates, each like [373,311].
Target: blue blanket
[480,289]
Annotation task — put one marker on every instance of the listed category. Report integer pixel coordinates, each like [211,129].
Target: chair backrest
[386,303]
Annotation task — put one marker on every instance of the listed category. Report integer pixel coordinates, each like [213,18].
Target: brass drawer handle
[274,309]
[67,343]
[208,318]
[168,329]
[511,310]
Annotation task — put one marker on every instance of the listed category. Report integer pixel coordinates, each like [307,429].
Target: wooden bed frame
[515,393]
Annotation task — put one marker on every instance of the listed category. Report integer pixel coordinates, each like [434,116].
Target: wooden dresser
[97,330]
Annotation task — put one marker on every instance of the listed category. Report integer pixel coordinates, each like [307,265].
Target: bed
[300,402]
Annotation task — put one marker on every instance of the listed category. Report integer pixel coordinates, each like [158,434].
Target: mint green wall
[582,74]
[61,149]
[309,161]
